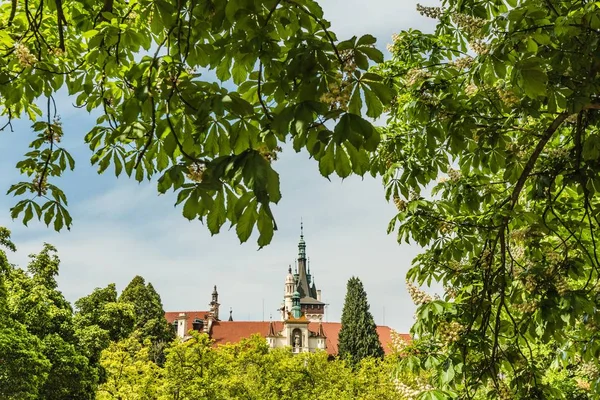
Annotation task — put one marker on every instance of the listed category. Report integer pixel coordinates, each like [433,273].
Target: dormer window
[197,325]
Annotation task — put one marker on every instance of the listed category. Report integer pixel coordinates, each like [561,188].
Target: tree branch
[60,16]
[534,156]
[13,11]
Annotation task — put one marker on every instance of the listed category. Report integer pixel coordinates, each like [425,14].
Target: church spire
[301,244]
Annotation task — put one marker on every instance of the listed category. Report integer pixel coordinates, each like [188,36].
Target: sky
[122,228]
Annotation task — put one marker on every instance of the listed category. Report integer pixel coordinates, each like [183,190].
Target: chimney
[182,325]
[319,294]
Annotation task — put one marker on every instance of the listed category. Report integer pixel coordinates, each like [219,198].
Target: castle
[301,326]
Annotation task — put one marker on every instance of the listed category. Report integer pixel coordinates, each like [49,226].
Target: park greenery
[490,152]
[107,348]
[120,347]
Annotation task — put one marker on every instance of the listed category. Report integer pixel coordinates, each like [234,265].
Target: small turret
[289,278]
[296,311]
[288,292]
[214,304]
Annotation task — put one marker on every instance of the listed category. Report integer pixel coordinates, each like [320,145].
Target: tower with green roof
[309,298]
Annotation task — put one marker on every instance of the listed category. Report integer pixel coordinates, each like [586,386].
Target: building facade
[300,327]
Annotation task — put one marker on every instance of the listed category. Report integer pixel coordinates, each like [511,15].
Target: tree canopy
[497,111]
[248,369]
[38,316]
[148,310]
[23,368]
[147,68]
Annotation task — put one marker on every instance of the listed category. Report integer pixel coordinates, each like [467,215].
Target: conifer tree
[358,337]
[149,312]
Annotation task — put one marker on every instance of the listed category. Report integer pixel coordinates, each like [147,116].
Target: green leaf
[534,82]
[273,185]
[265,227]
[355,104]
[246,222]
[374,105]
[28,214]
[342,163]
[326,163]
[118,164]
[366,40]
[448,372]
[373,53]
[383,92]
[58,222]
[231,9]
[239,73]
[190,208]
[217,215]
[361,60]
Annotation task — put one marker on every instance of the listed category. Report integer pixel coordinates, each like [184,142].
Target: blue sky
[122,228]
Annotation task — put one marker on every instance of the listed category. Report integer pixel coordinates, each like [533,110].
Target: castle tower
[214,304]
[303,282]
[288,294]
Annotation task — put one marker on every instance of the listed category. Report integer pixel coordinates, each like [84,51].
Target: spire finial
[301,228]
[290,269]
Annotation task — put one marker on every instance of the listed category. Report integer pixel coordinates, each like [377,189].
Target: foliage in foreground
[142,66]
[500,106]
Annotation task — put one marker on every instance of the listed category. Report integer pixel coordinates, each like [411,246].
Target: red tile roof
[223,332]
[171,316]
[332,330]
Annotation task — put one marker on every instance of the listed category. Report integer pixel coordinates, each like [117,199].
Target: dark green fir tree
[358,336]
[149,312]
